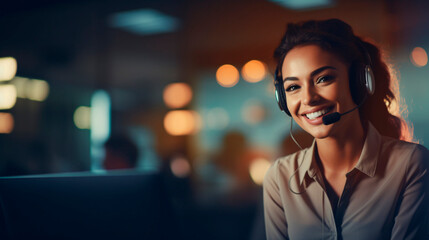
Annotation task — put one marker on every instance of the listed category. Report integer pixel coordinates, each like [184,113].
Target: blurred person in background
[227,198]
[226,178]
[361,178]
[120,153]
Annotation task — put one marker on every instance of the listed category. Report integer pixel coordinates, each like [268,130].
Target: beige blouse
[385,195]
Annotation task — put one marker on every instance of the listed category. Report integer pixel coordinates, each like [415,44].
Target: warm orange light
[6,123]
[177,95]
[254,71]
[182,122]
[419,57]
[227,75]
[258,168]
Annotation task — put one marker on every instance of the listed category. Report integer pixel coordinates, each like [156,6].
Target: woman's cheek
[293,105]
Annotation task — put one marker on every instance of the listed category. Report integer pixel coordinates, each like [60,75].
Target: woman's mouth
[317,114]
[316,117]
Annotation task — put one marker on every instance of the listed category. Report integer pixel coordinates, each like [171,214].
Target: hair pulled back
[337,37]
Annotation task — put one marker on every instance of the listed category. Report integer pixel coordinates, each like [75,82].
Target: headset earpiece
[362,83]
[280,93]
[368,75]
[365,82]
[369,80]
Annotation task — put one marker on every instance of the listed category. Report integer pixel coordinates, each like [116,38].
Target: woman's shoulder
[398,146]
[412,153]
[292,159]
[286,165]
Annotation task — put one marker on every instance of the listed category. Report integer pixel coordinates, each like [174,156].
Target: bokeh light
[271,89]
[227,75]
[180,167]
[6,123]
[100,123]
[177,95]
[182,122]
[254,71]
[258,168]
[82,117]
[20,84]
[8,67]
[419,57]
[253,112]
[37,90]
[7,96]
[100,114]
[217,118]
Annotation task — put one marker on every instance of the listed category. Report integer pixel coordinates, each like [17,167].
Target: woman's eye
[292,88]
[324,79]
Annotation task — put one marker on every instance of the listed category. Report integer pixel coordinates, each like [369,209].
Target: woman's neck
[339,154]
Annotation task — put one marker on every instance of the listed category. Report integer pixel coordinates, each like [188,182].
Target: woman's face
[316,84]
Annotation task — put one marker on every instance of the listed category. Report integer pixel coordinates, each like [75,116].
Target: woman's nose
[309,96]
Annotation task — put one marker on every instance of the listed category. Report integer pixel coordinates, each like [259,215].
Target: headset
[364,80]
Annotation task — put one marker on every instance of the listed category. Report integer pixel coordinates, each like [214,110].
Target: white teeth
[317,114]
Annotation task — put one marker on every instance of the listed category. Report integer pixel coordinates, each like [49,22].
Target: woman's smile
[317,84]
[315,116]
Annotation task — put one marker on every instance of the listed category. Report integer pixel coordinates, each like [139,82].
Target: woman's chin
[319,132]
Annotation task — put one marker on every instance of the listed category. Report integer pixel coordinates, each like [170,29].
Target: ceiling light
[144,22]
[303,4]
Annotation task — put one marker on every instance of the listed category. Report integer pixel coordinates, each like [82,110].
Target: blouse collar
[366,164]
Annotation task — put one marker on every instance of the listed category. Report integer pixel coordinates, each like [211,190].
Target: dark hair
[337,37]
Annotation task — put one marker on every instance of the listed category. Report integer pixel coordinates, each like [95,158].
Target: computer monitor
[126,205]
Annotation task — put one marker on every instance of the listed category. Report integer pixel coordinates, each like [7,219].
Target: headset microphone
[335,117]
[331,118]
[364,79]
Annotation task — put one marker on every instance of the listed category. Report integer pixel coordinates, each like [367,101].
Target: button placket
[343,203]
[329,222]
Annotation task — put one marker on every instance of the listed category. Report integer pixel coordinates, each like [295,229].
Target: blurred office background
[189,82]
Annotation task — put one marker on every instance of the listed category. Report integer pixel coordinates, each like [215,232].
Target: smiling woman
[359,179]
[314,86]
